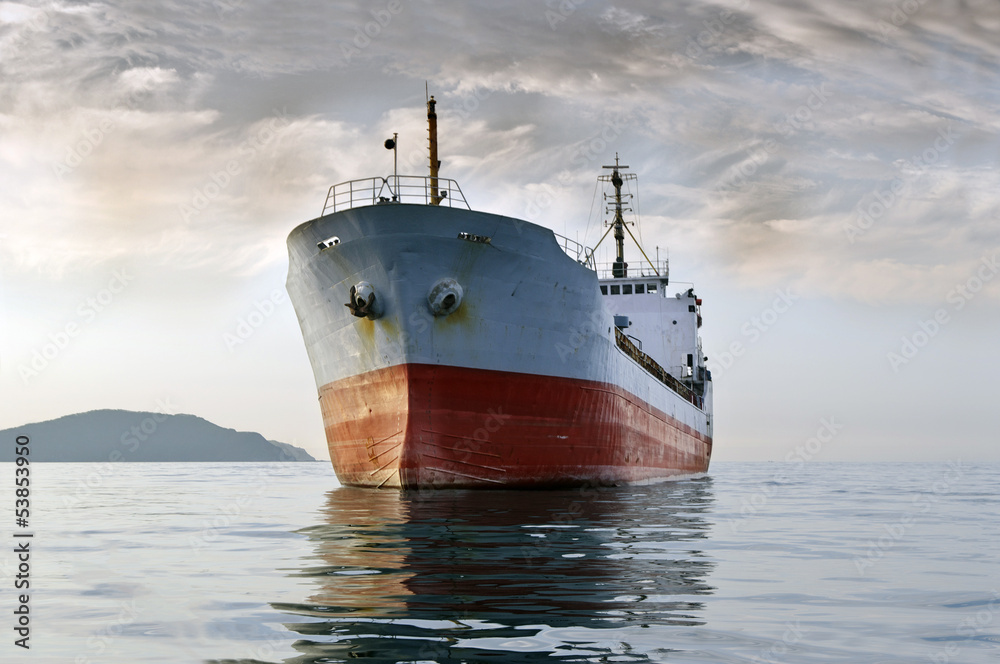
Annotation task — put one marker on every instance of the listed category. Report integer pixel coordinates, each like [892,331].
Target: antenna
[393,144]
[432,139]
[620,267]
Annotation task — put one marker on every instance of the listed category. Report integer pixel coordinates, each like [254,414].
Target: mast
[432,135]
[620,267]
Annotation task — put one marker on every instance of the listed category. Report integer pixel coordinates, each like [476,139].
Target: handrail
[650,365]
[578,252]
[637,269]
[394,189]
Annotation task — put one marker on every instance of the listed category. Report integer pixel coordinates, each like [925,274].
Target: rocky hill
[122,435]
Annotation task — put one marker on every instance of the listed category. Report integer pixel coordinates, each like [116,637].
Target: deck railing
[650,365]
[415,189]
[581,254]
[638,269]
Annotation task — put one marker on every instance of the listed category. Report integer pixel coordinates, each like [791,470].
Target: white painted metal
[663,322]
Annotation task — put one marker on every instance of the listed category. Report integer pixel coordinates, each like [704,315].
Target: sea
[752,562]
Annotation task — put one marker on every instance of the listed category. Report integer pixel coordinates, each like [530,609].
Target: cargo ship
[455,348]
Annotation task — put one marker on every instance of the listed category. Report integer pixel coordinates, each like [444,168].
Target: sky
[824,173]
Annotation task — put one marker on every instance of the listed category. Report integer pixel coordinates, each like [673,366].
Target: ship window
[604,290]
[626,289]
[616,290]
[650,288]
[691,308]
[638,289]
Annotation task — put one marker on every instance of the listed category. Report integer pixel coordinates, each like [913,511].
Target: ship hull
[523,385]
[429,426]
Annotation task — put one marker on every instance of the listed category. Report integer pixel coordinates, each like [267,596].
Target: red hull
[427,426]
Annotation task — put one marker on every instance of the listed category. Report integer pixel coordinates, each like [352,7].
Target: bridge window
[626,289]
[604,290]
[650,288]
[638,289]
[616,290]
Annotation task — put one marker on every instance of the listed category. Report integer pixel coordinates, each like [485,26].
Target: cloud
[771,123]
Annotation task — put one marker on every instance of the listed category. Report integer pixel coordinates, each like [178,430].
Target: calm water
[267,563]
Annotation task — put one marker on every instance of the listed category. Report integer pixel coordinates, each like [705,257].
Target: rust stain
[389,326]
[366,332]
[464,315]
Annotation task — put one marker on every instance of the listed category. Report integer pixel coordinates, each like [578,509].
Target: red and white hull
[522,385]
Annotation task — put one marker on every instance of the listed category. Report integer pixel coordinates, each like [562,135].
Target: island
[123,435]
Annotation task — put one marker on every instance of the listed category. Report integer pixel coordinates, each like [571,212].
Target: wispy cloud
[772,123]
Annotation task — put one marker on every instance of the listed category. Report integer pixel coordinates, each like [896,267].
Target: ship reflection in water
[453,576]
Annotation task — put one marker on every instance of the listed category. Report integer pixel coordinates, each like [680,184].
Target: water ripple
[475,559]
